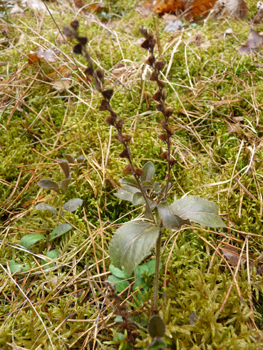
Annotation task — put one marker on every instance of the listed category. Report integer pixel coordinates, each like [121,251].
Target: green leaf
[148,172]
[156,327]
[140,283]
[118,273]
[156,187]
[126,193]
[64,184]
[48,185]
[53,254]
[14,267]
[59,231]
[119,283]
[169,219]
[131,242]
[199,210]
[65,167]
[80,159]
[146,185]
[129,181]
[44,206]
[31,239]
[72,204]
[138,198]
[69,157]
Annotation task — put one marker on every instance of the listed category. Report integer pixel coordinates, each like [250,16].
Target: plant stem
[157,266]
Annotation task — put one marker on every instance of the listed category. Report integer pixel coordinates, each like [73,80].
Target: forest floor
[53,293]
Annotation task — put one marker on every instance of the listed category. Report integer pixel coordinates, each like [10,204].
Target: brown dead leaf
[254,41]
[232,254]
[50,55]
[235,128]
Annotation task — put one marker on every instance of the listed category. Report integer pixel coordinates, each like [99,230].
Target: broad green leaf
[146,185]
[14,267]
[44,206]
[64,184]
[69,157]
[169,219]
[157,344]
[53,254]
[48,185]
[119,283]
[65,167]
[156,327]
[59,231]
[138,198]
[126,193]
[31,239]
[140,283]
[129,181]
[118,273]
[72,204]
[80,159]
[199,210]
[156,187]
[148,172]
[131,242]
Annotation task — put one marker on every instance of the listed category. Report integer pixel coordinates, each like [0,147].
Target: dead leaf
[234,128]
[173,26]
[237,8]
[254,41]
[61,84]
[35,5]
[232,254]
[16,9]
[50,55]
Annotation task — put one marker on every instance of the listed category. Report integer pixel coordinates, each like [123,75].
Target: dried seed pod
[97,84]
[77,49]
[118,137]
[168,112]
[100,73]
[150,60]
[124,153]
[82,40]
[128,169]
[126,138]
[169,131]
[161,84]
[139,172]
[164,155]
[68,32]
[154,76]
[119,124]
[113,114]
[89,71]
[145,45]
[107,94]
[75,25]
[164,124]
[104,105]
[172,162]
[143,30]
[163,137]
[110,120]
[152,41]
[160,107]
[159,65]
[157,96]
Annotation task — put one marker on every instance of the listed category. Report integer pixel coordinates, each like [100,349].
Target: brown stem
[156,273]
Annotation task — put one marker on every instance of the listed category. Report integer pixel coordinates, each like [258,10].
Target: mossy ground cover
[205,301]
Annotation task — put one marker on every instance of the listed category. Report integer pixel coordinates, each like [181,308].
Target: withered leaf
[254,40]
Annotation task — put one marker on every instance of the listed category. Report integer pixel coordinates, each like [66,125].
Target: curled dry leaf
[254,41]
